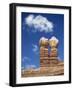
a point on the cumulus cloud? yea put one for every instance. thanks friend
(29, 20)
(40, 23)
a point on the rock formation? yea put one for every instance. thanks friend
(48, 58)
(49, 63)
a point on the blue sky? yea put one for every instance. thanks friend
(35, 26)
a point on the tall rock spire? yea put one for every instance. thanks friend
(48, 58)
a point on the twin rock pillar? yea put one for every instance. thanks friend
(48, 58)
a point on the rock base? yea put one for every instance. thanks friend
(53, 70)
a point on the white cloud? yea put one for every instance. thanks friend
(31, 66)
(40, 23)
(29, 20)
(59, 58)
(26, 59)
(35, 47)
(37, 69)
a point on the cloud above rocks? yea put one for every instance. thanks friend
(31, 66)
(26, 59)
(39, 23)
(35, 48)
